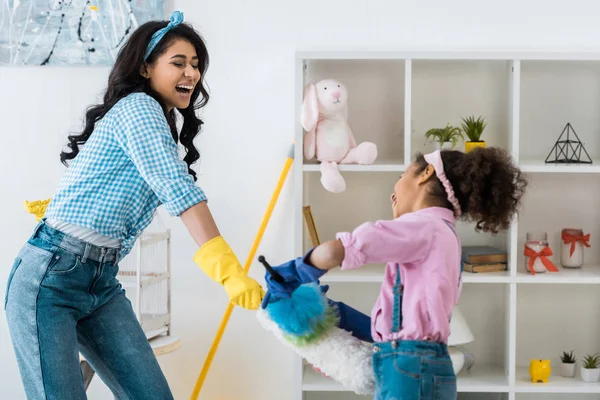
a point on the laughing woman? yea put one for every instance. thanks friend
(62, 295)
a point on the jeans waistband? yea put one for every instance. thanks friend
(412, 346)
(87, 251)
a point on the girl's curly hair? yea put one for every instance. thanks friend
(486, 183)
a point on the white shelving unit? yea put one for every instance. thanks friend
(527, 98)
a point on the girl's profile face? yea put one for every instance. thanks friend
(174, 74)
(404, 191)
(409, 189)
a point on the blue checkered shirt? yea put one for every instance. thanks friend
(127, 168)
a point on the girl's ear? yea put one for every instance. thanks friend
(144, 71)
(426, 175)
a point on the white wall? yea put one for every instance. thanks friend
(249, 125)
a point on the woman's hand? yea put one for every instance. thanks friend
(218, 260)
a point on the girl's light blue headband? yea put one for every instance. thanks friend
(176, 19)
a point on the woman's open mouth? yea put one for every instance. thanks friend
(184, 89)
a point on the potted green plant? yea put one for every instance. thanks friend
(567, 368)
(473, 128)
(445, 138)
(589, 369)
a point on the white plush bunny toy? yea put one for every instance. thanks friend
(328, 135)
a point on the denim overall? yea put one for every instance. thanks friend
(412, 369)
(63, 298)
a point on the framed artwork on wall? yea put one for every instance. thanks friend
(70, 32)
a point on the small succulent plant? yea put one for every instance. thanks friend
(449, 133)
(591, 361)
(568, 358)
(473, 128)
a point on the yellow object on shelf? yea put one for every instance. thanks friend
(540, 370)
(469, 146)
(37, 208)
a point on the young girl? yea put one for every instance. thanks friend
(410, 322)
(62, 295)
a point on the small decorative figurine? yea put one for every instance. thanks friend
(540, 370)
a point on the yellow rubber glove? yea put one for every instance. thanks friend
(37, 208)
(219, 262)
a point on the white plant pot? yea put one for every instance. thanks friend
(590, 375)
(567, 370)
(444, 146)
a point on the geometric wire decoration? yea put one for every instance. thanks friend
(568, 151)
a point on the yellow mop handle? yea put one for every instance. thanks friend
(261, 231)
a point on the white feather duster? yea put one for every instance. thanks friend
(337, 354)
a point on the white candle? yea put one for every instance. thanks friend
(536, 241)
(538, 265)
(567, 259)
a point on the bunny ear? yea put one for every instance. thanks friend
(310, 108)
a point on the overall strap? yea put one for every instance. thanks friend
(397, 313)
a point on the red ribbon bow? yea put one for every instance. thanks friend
(543, 255)
(567, 238)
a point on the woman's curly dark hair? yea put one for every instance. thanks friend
(486, 183)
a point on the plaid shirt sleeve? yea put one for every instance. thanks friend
(145, 136)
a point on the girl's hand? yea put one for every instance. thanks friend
(294, 273)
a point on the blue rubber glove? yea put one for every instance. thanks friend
(351, 320)
(295, 273)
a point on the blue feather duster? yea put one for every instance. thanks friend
(306, 314)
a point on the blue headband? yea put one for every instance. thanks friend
(176, 19)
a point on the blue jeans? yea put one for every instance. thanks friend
(62, 298)
(407, 370)
(411, 369)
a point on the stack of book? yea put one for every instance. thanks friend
(484, 259)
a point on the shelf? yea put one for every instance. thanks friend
(478, 380)
(487, 277)
(149, 239)
(315, 382)
(366, 274)
(483, 379)
(129, 281)
(556, 384)
(374, 274)
(456, 89)
(588, 274)
(165, 344)
(395, 53)
(377, 166)
(527, 97)
(553, 94)
(542, 167)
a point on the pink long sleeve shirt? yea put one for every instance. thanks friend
(425, 246)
